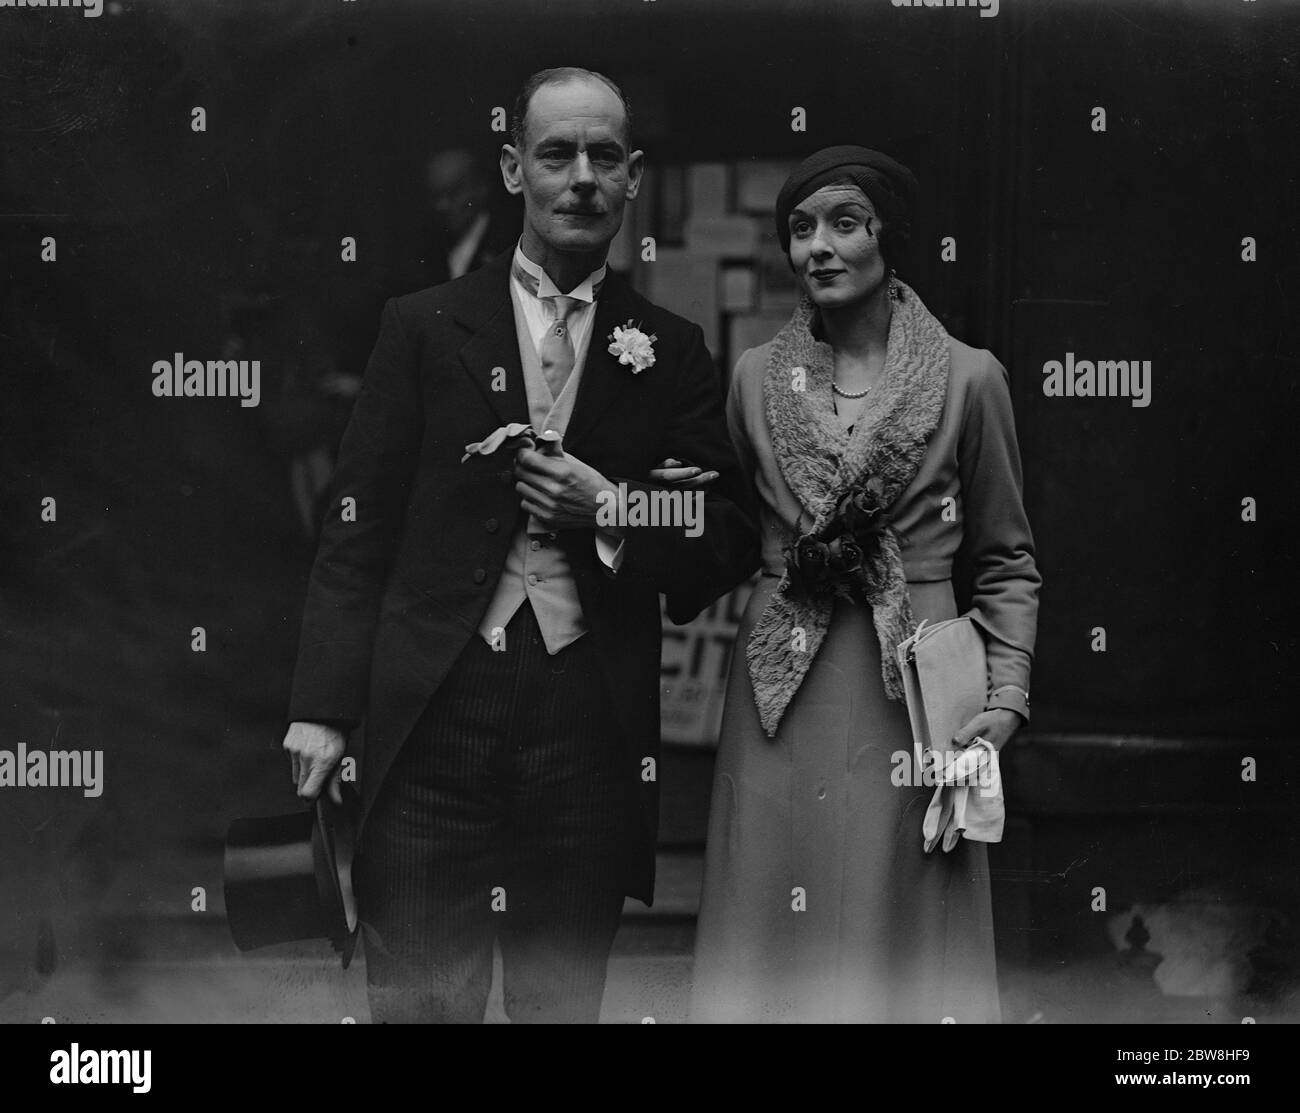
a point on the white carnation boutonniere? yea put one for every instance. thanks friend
(633, 347)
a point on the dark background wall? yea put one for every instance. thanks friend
(1124, 244)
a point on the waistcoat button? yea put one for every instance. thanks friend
(480, 574)
(491, 525)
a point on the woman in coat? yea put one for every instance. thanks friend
(865, 423)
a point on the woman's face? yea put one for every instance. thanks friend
(835, 247)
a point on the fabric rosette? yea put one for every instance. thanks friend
(861, 513)
(846, 556)
(840, 557)
(808, 563)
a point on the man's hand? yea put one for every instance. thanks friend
(315, 751)
(996, 726)
(678, 473)
(560, 491)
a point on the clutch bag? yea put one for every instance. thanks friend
(945, 683)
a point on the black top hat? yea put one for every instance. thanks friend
(289, 877)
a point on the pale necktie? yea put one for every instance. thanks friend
(557, 353)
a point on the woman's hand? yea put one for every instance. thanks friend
(678, 473)
(997, 726)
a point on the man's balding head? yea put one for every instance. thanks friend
(558, 76)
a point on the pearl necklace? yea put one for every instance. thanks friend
(849, 394)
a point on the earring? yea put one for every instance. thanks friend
(895, 287)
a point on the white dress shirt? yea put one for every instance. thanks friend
(539, 308)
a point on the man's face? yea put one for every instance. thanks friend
(574, 169)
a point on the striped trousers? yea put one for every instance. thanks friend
(503, 819)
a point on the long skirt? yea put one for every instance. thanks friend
(819, 903)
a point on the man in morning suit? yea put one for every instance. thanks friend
(502, 650)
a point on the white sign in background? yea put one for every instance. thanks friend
(696, 660)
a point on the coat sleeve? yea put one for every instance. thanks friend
(740, 442)
(694, 571)
(376, 463)
(1004, 596)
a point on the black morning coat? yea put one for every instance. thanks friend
(396, 594)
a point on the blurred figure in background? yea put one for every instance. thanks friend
(472, 219)
(297, 323)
